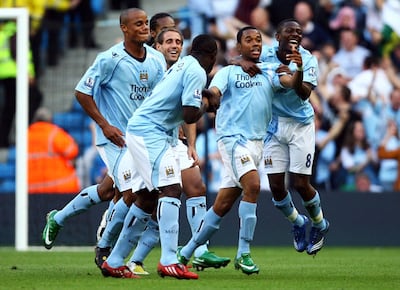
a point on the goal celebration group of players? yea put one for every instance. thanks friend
(146, 99)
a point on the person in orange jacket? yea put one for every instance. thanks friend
(385, 152)
(51, 156)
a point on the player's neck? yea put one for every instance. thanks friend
(136, 50)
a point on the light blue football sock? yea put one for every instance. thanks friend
(168, 222)
(248, 221)
(147, 242)
(208, 227)
(288, 209)
(314, 209)
(114, 224)
(79, 204)
(110, 208)
(134, 225)
(196, 208)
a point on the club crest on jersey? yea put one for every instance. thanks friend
(197, 94)
(89, 82)
(169, 171)
(244, 159)
(312, 72)
(143, 76)
(127, 175)
(267, 162)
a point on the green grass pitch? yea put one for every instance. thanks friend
(280, 268)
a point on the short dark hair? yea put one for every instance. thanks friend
(160, 36)
(124, 16)
(241, 30)
(281, 24)
(204, 44)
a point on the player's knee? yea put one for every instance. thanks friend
(105, 193)
(147, 201)
(222, 208)
(195, 190)
(251, 191)
(301, 185)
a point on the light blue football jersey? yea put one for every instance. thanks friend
(162, 112)
(119, 83)
(286, 103)
(245, 108)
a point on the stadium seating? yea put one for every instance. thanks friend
(7, 172)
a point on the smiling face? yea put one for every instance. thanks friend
(135, 26)
(250, 44)
(288, 32)
(170, 44)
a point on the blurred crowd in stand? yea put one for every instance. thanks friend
(356, 103)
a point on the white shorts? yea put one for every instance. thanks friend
(120, 167)
(182, 152)
(156, 160)
(289, 147)
(238, 159)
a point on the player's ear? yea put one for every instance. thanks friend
(239, 47)
(277, 36)
(123, 27)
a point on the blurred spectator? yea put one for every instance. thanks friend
(389, 153)
(371, 82)
(90, 167)
(360, 13)
(123, 4)
(210, 159)
(201, 12)
(222, 10)
(51, 157)
(350, 56)
(363, 184)
(255, 16)
(324, 11)
(81, 25)
(244, 10)
(391, 26)
(36, 10)
(323, 157)
(8, 79)
(54, 25)
(345, 19)
(374, 24)
(314, 35)
(391, 65)
(338, 116)
(370, 95)
(392, 111)
(357, 156)
(279, 10)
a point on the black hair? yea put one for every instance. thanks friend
(241, 30)
(156, 17)
(204, 44)
(281, 24)
(124, 16)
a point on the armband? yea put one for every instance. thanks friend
(299, 68)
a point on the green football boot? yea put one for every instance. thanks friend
(209, 260)
(181, 258)
(50, 230)
(246, 264)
